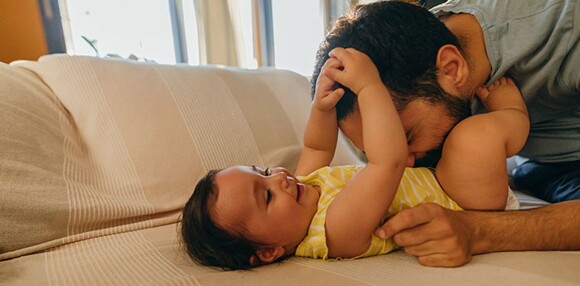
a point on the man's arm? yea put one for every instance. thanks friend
(553, 227)
(445, 238)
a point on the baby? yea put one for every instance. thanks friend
(245, 216)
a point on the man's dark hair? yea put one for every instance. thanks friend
(205, 242)
(403, 40)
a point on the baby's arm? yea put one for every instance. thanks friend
(321, 131)
(472, 169)
(355, 213)
(507, 108)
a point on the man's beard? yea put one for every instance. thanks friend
(458, 109)
(430, 159)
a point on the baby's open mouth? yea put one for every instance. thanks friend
(299, 191)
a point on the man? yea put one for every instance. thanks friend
(433, 68)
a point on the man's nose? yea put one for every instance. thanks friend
(410, 160)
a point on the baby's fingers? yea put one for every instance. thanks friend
(338, 53)
(324, 84)
(329, 101)
(334, 74)
(335, 96)
(332, 63)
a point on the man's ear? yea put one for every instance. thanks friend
(267, 255)
(453, 67)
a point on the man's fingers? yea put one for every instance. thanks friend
(421, 234)
(450, 244)
(405, 219)
(444, 260)
(433, 234)
(424, 249)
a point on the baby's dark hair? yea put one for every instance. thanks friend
(205, 242)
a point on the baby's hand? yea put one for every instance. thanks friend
(498, 94)
(358, 70)
(327, 92)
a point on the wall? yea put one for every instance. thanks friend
(21, 31)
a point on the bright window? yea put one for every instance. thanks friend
(139, 27)
(247, 33)
(166, 31)
(298, 31)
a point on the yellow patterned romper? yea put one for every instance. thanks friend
(418, 186)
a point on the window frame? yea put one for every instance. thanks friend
(53, 30)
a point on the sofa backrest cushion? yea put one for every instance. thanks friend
(128, 140)
(33, 199)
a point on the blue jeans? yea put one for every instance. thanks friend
(552, 182)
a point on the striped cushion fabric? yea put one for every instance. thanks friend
(127, 141)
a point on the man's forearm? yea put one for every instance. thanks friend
(553, 227)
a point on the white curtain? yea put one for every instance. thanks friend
(219, 30)
(220, 34)
(333, 9)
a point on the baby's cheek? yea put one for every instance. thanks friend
(287, 209)
(290, 211)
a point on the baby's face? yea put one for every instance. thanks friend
(266, 206)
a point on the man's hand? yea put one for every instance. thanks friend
(446, 238)
(435, 235)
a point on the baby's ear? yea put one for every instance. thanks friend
(267, 255)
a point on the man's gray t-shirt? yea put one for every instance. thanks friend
(536, 43)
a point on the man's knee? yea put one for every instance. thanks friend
(553, 182)
(565, 187)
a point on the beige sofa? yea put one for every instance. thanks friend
(98, 156)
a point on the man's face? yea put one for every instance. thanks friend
(426, 126)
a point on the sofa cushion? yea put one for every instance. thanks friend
(33, 206)
(131, 139)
